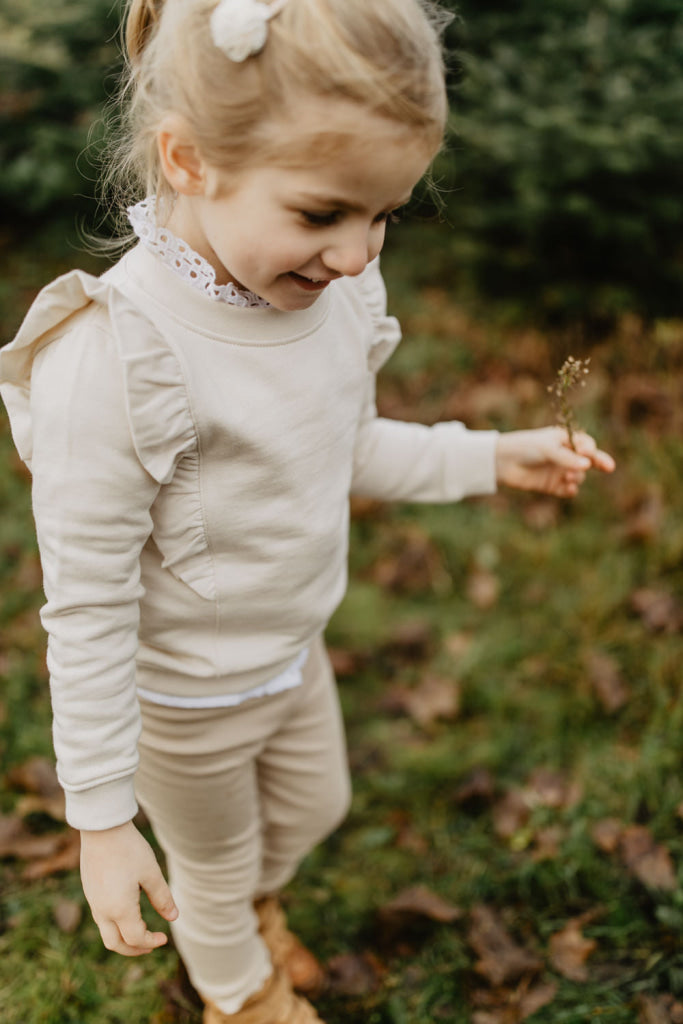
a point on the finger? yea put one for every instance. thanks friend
(603, 461)
(136, 934)
(160, 897)
(586, 445)
(114, 941)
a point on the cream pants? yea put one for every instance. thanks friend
(237, 797)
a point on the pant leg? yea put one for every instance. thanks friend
(236, 798)
(303, 774)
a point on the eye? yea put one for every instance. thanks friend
(321, 220)
(388, 217)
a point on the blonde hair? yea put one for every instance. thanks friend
(384, 55)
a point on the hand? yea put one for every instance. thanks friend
(115, 864)
(543, 460)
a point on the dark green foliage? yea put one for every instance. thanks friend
(562, 178)
(564, 164)
(54, 63)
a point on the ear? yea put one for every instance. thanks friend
(181, 161)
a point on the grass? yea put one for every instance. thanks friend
(566, 575)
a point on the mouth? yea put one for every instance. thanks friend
(310, 284)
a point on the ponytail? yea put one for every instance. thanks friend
(141, 20)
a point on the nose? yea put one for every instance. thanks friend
(350, 254)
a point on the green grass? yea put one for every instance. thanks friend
(566, 589)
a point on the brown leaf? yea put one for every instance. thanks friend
(541, 514)
(413, 566)
(65, 857)
(605, 677)
(344, 662)
(367, 508)
(37, 775)
(646, 860)
(660, 611)
(478, 787)
(645, 517)
(548, 788)
(13, 832)
(660, 1009)
(536, 998)
(435, 697)
(68, 915)
(569, 951)
(457, 644)
(483, 588)
(351, 974)
(415, 903)
(510, 814)
(547, 842)
(500, 958)
(606, 834)
(412, 639)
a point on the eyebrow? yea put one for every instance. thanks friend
(337, 203)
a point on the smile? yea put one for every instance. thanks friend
(309, 283)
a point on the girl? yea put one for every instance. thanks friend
(195, 420)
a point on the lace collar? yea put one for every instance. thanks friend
(187, 263)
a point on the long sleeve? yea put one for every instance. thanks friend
(397, 461)
(91, 499)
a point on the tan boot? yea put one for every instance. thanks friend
(275, 1003)
(286, 951)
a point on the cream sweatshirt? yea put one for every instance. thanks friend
(192, 463)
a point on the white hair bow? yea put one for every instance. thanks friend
(240, 27)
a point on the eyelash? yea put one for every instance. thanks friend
(328, 219)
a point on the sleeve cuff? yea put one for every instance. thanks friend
(104, 806)
(469, 460)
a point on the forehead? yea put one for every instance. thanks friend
(347, 149)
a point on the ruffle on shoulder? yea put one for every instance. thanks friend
(157, 405)
(387, 330)
(156, 400)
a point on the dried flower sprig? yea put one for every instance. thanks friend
(570, 375)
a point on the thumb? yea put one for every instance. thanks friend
(160, 897)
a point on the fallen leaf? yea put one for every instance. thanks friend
(548, 788)
(367, 508)
(344, 662)
(541, 514)
(569, 951)
(415, 903)
(536, 997)
(646, 860)
(645, 516)
(457, 645)
(605, 677)
(435, 697)
(510, 814)
(479, 787)
(67, 915)
(606, 834)
(412, 639)
(65, 857)
(657, 1010)
(413, 566)
(407, 836)
(501, 959)
(547, 843)
(352, 974)
(482, 588)
(659, 610)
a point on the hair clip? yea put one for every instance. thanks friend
(240, 27)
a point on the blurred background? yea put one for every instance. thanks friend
(510, 669)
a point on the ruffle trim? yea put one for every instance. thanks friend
(157, 405)
(386, 329)
(184, 261)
